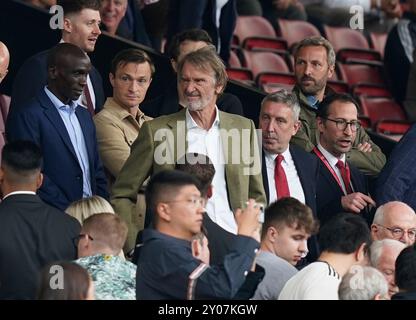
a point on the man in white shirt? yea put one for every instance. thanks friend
(230, 141)
(341, 187)
(342, 241)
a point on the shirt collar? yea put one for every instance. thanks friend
(58, 103)
(330, 157)
(272, 156)
(19, 192)
(119, 111)
(191, 124)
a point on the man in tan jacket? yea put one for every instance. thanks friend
(118, 124)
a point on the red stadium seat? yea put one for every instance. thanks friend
(294, 31)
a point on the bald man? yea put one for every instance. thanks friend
(4, 61)
(394, 220)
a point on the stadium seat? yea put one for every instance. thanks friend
(294, 31)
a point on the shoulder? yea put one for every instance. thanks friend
(240, 120)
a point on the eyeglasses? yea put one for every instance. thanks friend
(80, 236)
(195, 202)
(342, 124)
(399, 232)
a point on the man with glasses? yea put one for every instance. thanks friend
(166, 267)
(314, 65)
(394, 220)
(341, 187)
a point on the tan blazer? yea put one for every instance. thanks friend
(150, 146)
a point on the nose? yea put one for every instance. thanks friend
(303, 247)
(133, 86)
(96, 30)
(405, 238)
(189, 87)
(348, 129)
(308, 69)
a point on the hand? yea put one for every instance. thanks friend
(248, 220)
(365, 147)
(355, 202)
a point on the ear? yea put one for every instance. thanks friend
(296, 127)
(163, 211)
(360, 253)
(219, 88)
(210, 191)
(174, 65)
(52, 72)
(272, 233)
(320, 123)
(111, 78)
(67, 25)
(39, 180)
(374, 230)
(331, 71)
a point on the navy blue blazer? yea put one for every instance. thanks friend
(397, 180)
(40, 122)
(32, 76)
(307, 167)
(329, 193)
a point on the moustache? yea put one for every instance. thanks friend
(306, 78)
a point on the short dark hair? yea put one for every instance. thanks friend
(76, 282)
(199, 166)
(76, 6)
(289, 212)
(131, 56)
(165, 183)
(22, 160)
(56, 54)
(326, 103)
(187, 35)
(405, 274)
(344, 233)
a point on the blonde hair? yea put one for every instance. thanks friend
(86, 207)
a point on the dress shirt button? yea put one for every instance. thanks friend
(245, 273)
(256, 250)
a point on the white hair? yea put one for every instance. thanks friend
(377, 247)
(363, 283)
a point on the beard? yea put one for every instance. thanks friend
(315, 87)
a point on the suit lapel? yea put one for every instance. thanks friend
(177, 125)
(264, 174)
(53, 116)
(231, 170)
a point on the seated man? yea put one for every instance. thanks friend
(100, 241)
(341, 187)
(32, 233)
(287, 226)
(166, 267)
(394, 220)
(342, 241)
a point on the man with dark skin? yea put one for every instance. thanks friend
(65, 132)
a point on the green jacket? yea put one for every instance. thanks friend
(307, 137)
(151, 146)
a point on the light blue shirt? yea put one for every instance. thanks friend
(73, 127)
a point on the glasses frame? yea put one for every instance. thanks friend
(344, 124)
(402, 232)
(196, 202)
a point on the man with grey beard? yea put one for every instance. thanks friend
(230, 141)
(314, 65)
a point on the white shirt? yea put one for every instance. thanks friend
(317, 281)
(295, 187)
(19, 192)
(332, 162)
(209, 143)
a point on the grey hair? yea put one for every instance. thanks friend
(284, 97)
(363, 283)
(317, 41)
(377, 247)
(379, 215)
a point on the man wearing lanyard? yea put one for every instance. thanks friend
(341, 187)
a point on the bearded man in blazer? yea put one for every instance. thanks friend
(229, 140)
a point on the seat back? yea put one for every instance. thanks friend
(253, 26)
(258, 62)
(380, 108)
(378, 42)
(341, 38)
(294, 31)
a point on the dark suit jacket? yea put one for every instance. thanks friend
(32, 234)
(40, 122)
(168, 103)
(329, 193)
(32, 76)
(307, 167)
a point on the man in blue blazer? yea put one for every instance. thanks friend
(341, 186)
(64, 131)
(81, 28)
(279, 121)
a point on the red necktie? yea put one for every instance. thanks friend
(345, 174)
(282, 188)
(88, 99)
